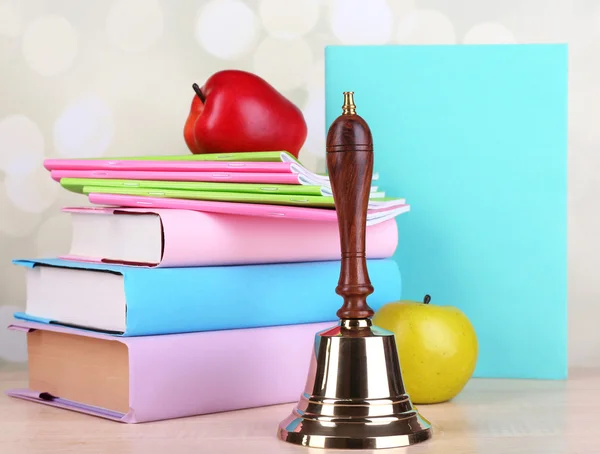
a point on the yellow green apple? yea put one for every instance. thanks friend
(437, 347)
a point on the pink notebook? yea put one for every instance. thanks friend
(264, 167)
(181, 237)
(374, 216)
(231, 177)
(182, 375)
(171, 166)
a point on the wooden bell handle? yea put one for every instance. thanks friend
(350, 167)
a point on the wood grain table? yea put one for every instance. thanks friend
(490, 416)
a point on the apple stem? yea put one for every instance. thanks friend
(199, 92)
(427, 299)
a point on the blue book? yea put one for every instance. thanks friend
(132, 301)
(475, 138)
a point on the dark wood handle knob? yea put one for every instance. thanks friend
(350, 167)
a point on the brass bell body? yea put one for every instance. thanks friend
(354, 396)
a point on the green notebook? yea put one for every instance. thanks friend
(315, 201)
(77, 185)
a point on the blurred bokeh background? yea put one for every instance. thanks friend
(113, 77)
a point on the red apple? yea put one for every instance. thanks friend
(237, 111)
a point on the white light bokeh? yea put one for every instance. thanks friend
(425, 26)
(167, 107)
(316, 76)
(33, 193)
(283, 62)
(584, 111)
(583, 175)
(140, 75)
(550, 21)
(584, 95)
(21, 145)
(10, 49)
(135, 25)
(10, 23)
(489, 33)
(314, 114)
(289, 18)
(50, 44)
(14, 222)
(54, 236)
(401, 7)
(85, 129)
(352, 22)
(13, 345)
(226, 28)
(312, 162)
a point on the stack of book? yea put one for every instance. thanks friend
(177, 299)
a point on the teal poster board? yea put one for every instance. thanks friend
(475, 138)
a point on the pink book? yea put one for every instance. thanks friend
(382, 212)
(168, 376)
(231, 177)
(170, 166)
(179, 237)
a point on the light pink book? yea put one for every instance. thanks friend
(181, 238)
(183, 375)
(382, 212)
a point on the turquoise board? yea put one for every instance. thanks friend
(475, 137)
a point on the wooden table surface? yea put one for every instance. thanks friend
(488, 417)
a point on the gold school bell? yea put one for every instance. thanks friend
(354, 395)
